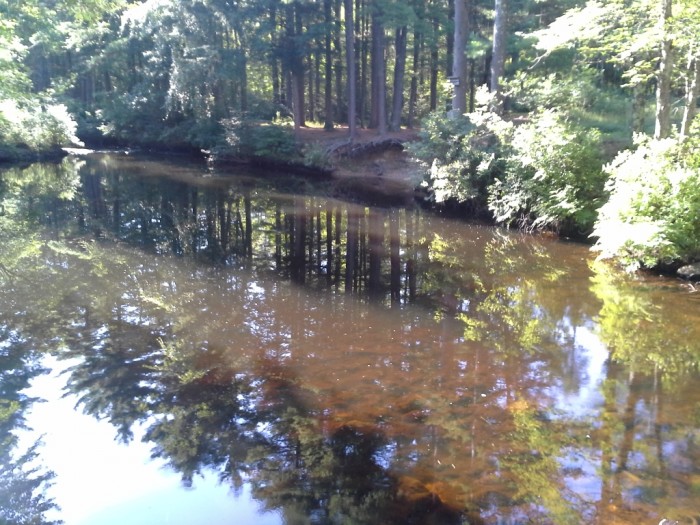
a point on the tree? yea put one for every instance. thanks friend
(351, 71)
(662, 127)
(328, 58)
(459, 64)
(498, 55)
(399, 75)
(378, 118)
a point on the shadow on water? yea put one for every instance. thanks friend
(353, 364)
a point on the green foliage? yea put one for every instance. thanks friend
(553, 178)
(543, 174)
(461, 154)
(28, 120)
(251, 138)
(653, 214)
(629, 307)
(316, 156)
(23, 480)
(23, 499)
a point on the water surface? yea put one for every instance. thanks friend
(262, 350)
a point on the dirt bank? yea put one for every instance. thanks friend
(369, 163)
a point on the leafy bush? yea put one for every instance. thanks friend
(315, 155)
(542, 174)
(461, 155)
(36, 125)
(553, 177)
(252, 138)
(653, 214)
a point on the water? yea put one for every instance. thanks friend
(214, 347)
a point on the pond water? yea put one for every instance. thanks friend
(197, 346)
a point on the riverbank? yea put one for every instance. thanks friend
(13, 155)
(370, 165)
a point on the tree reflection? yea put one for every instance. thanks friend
(23, 481)
(650, 394)
(440, 400)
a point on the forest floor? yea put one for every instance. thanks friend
(371, 163)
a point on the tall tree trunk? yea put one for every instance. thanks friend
(352, 76)
(498, 55)
(313, 75)
(399, 74)
(692, 90)
(413, 94)
(362, 48)
(295, 28)
(434, 65)
(662, 128)
(449, 39)
(274, 63)
(638, 105)
(244, 80)
(378, 115)
(340, 90)
(459, 61)
(328, 71)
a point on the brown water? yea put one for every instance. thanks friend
(340, 363)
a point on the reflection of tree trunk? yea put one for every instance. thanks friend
(394, 243)
(212, 241)
(195, 215)
(628, 419)
(361, 275)
(278, 235)
(657, 401)
(95, 195)
(351, 250)
(299, 236)
(337, 237)
(411, 263)
(248, 226)
(223, 231)
(167, 213)
(116, 205)
(376, 251)
(610, 496)
(319, 242)
(329, 245)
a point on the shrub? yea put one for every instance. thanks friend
(553, 177)
(36, 125)
(544, 174)
(253, 138)
(461, 155)
(653, 214)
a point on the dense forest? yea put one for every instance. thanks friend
(545, 115)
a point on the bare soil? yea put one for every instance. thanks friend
(384, 170)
